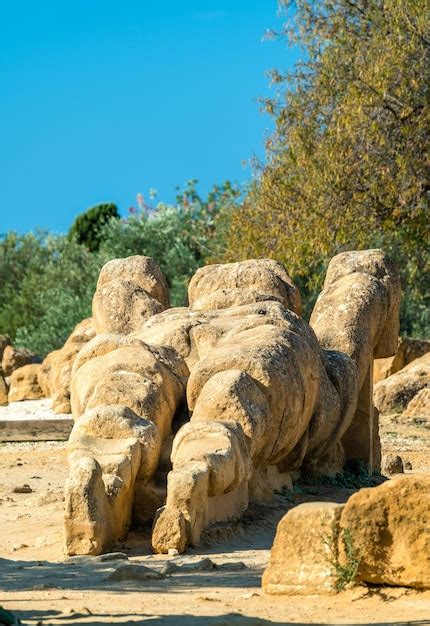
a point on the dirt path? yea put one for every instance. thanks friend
(43, 587)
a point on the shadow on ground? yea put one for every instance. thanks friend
(47, 618)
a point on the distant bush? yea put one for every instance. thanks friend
(88, 226)
(47, 281)
(179, 237)
(47, 286)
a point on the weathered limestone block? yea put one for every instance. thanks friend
(393, 394)
(4, 391)
(13, 358)
(408, 350)
(62, 364)
(419, 406)
(305, 547)
(390, 530)
(86, 509)
(24, 384)
(265, 398)
(129, 291)
(233, 284)
(111, 452)
(358, 313)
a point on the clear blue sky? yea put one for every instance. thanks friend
(102, 99)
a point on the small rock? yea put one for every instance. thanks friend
(408, 465)
(231, 566)
(19, 546)
(22, 489)
(173, 552)
(111, 556)
(170, 568)
(393, 464)
(76, 612)
(201, 565)
(134, 572)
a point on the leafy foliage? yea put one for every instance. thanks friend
(47, 286)
(348, 164)
(354, 475)
(88, 226)
(48, 280)
(179, 237)
(346, 572)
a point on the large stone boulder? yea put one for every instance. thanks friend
(408, 350)
(393, 394)
(13, 358)
(380, 536)
(24, 384)
(389, 528)
(304, 550)
(129, 291)
(234, 284)
(264, 397)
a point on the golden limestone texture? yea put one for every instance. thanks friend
(380, 536)
(224, 398)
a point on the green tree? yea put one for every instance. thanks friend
(47, 286)
(348, 164)
(179, 237)
(88, 226)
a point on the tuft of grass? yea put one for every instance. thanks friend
(346, 573)
(354, 476)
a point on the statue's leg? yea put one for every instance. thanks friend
(110, 448)
(209, 482)
(361, 440)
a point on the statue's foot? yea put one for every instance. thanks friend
(86, 509)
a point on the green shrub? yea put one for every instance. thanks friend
(47, 286)
(88, 226)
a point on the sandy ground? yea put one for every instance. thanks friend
(43, 587)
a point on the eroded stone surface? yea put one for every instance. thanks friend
(24, 384)
(266, 393)
(305, 547)
(393, 394)
(390, 531)
(13, 358)
(128, 292)
(408, 349)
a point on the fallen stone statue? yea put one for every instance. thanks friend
(183, 416)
